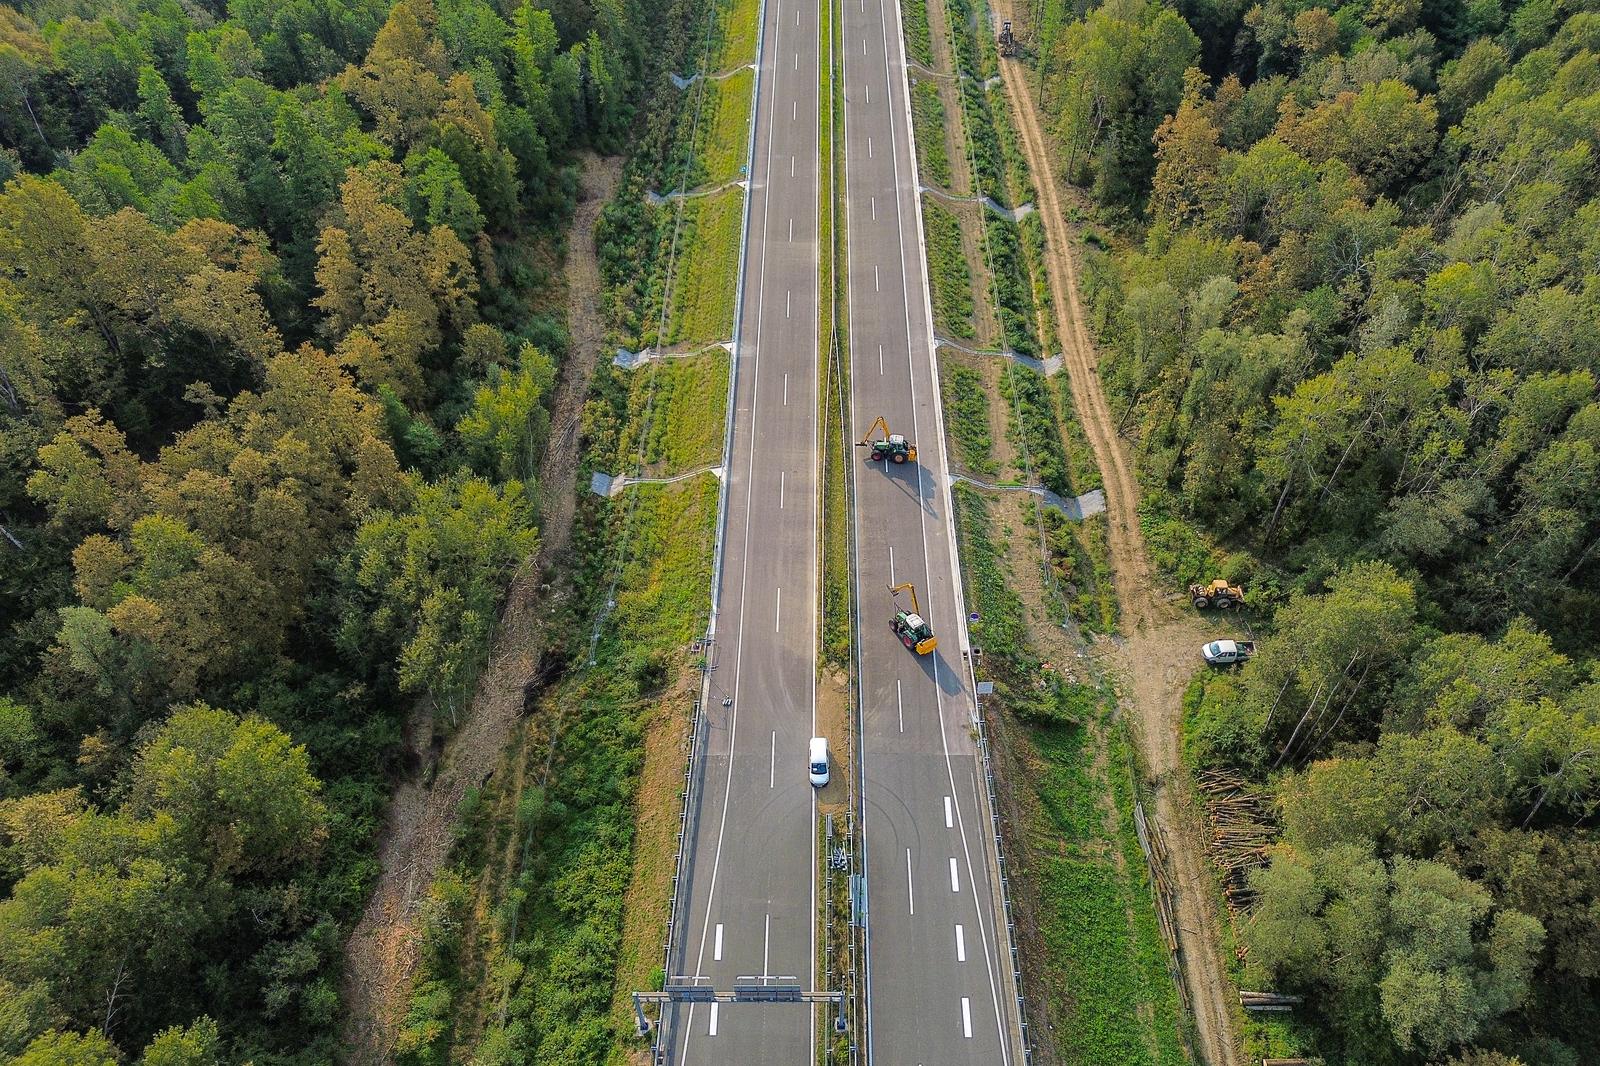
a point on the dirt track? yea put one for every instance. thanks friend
(382, 951)
(1158, 656)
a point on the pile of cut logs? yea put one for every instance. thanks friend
(1240, 828)
(1268, 1001)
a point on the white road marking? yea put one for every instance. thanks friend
(961, 944)
(772, 772)
(786, 390)
(869, 94)
(794, 110)
(788, 312)
(911, 902)
(874, 279)
(869, 147)
(791, 166)
(900, 705)
(966, 1017)
(713, 1030)
(863, 46)
(783, 474)
(880, 359)
(716, 952)
(797, 54)
(955, 878)
(873, 200)
(791, 229)
(766, 947)
(777, 624)
(891, 564)
(949, 816)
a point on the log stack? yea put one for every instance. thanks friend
(1240, 828)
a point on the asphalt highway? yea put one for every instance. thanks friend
(940, 990)
(749, 887)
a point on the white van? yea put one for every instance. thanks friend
(819, 761)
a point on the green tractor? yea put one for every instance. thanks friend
(890, 448)
(912, 629)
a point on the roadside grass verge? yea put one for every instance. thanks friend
(707, 270)
(1093, 947)
(928, 122)
(948, 272)
(692, 395)
(723, 135)
(739, 30)
(966, 411)
(914, 19)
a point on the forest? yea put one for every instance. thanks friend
(275, 353)
(1351, 318)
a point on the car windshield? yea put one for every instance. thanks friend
(1216, 647)
(818, 767)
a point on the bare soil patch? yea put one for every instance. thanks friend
(833, 722)
(1159, 654)
(381, 954)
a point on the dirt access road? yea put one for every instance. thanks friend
(1159, 652)
(382, 952)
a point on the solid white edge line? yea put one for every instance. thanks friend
(911, 903)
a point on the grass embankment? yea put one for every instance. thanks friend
(1099, 951)
(967, 417)
(948, 272)
(739, 31)
(722, 137)
(706, 271)
(928, 122)
(692, 390)
(914, 20)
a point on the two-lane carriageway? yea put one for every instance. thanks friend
(940, 988)
(748, 900)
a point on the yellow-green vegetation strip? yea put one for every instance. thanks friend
(707, 270)
(948, 272)
(739, 26)
(1109, 993)
(723, 136)
(927, 119)
(691, 398)
(966, 410)
(838, 452)
(919, 42)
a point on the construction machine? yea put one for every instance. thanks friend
(912, 629)
(891, 447)
(1007, 43)
(1218, 594)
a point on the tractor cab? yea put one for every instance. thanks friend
(912, 629)
(915, 632)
